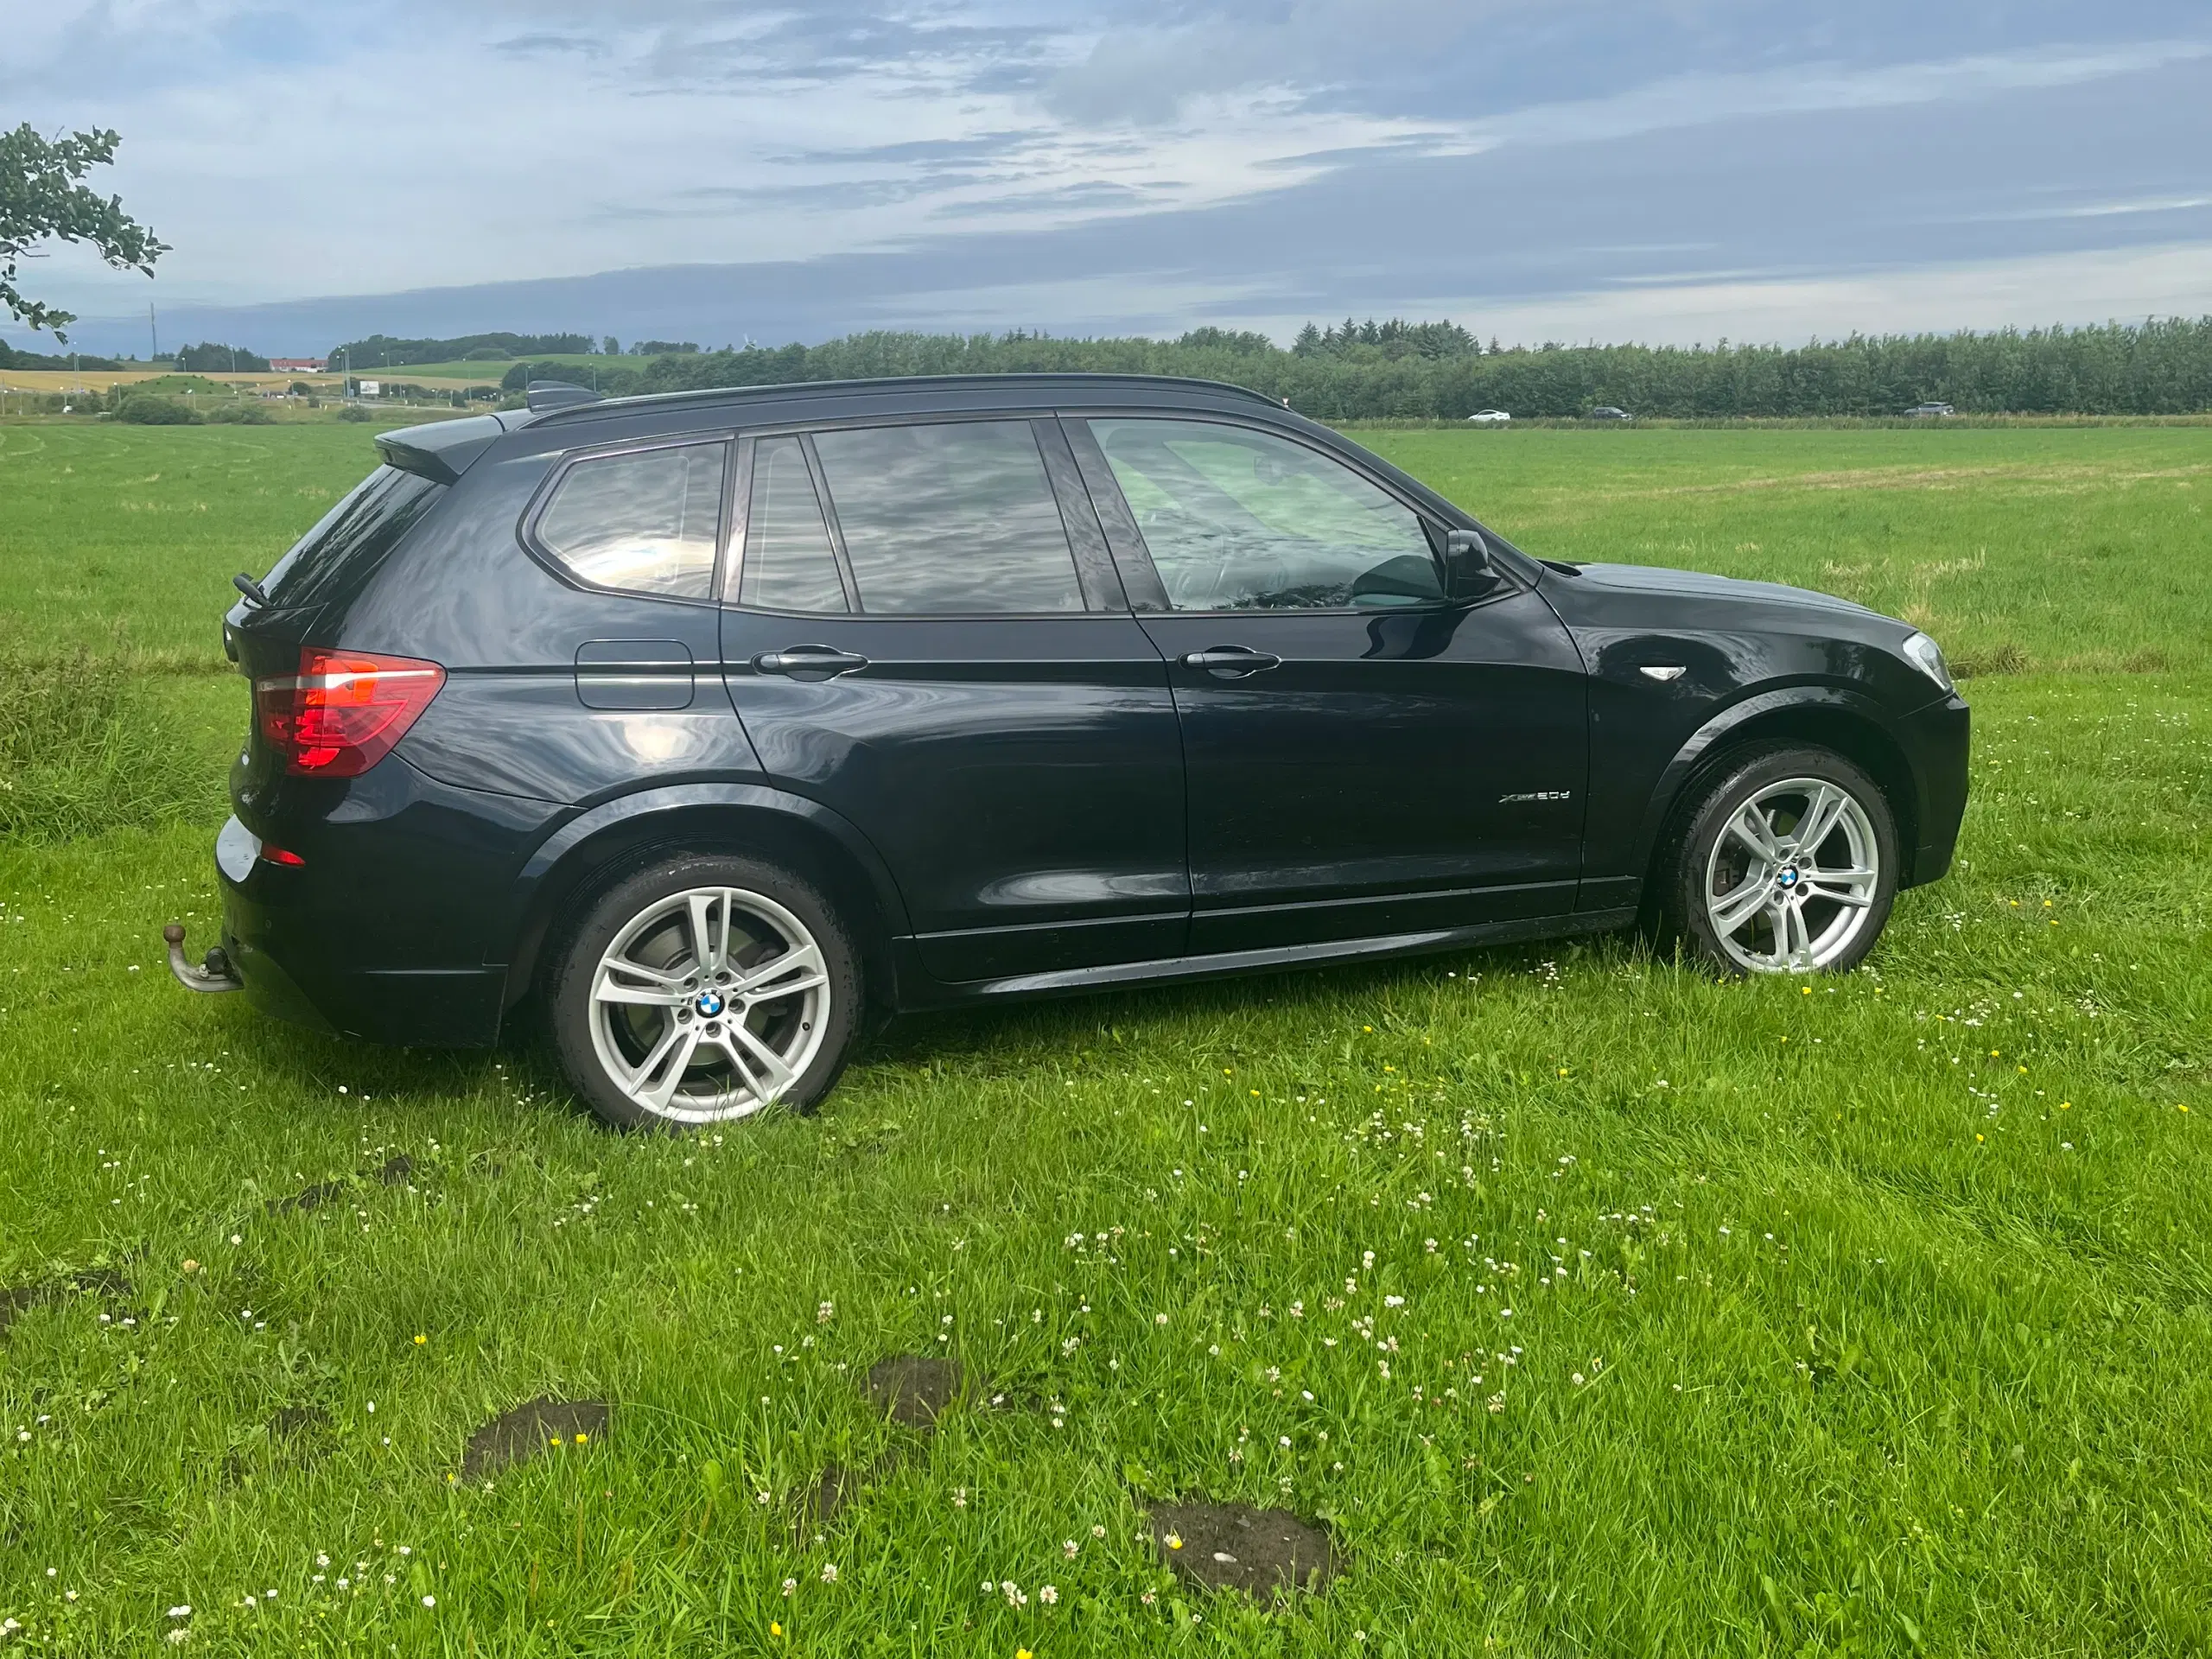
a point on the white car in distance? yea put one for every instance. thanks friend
(1490, 417)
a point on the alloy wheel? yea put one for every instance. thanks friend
(1792, 877)
(709, 1004)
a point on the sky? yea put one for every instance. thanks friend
(720, 170)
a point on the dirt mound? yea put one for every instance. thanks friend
(536, 1426)
(914, 1388)
(1236, 1547)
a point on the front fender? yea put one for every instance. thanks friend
(1857, 724)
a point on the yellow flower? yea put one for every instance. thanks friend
(1804, 991)
(420, 1339)
(1021, 1653)
(1174, 1541)
(581, 1438)
(775, 1628)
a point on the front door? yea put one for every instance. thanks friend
(923, 630)
(1363, 757)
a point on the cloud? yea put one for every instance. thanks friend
(1216, 160)
(538, 46)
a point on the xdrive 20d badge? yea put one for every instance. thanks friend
(710, 722)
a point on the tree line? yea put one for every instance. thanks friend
(384, 351)
(1440, 371)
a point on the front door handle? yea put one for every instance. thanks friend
(1231, 662)
(808, 662)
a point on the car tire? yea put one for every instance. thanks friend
(1746, 892)
(703, 989)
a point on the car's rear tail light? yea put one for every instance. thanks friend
(344, 710)
(284, 855)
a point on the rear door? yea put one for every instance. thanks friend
(923, 631)
(1364, 756)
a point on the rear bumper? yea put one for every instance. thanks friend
(288, 958)
(390, 929)
(1939, 743)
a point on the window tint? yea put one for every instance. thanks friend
(948, 519)
(352, 537)
(647, 522)
(1240, 520)
(788, 565)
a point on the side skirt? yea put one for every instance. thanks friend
(918, 990)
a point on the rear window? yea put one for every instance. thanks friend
(353, 539)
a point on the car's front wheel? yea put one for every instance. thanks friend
(1788, 864)
(704, 989)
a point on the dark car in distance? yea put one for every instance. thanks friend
(1607, 412)
(713, 720)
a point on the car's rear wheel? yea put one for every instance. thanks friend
(704, 989)
(1788, 864)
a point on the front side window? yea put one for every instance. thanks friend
(1241, 520)
(647, 522)
(788, 565)
(948, 519)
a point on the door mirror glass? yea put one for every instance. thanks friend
(1237, 519)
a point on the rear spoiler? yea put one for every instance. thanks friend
(439, 450)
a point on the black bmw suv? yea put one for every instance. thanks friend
(716, 719)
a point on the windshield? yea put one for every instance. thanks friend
(352, 537)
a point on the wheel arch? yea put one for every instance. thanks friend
(610, 841)
(1850, 723)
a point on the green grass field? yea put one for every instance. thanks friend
(1592, 1306)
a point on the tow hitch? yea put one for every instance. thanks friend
(214, 972)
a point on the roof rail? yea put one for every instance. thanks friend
(556, 394)
(842, 388)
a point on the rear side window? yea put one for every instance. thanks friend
(647, 522)
(788, 564)
(352, 537)
(948, 519)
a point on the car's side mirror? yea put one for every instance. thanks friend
(1468, 569)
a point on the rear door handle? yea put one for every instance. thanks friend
(1231, 662)
(808, 662)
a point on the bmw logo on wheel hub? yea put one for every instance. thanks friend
(709, 1003)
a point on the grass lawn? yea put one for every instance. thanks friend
(1591, 1304)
